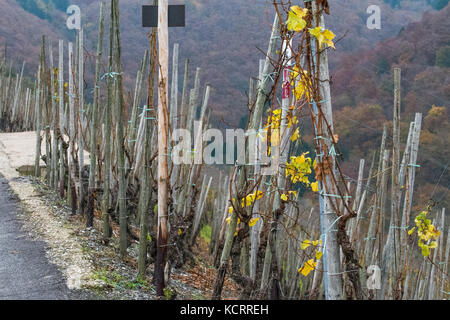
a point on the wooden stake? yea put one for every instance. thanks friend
(94, 122)
(163, 175)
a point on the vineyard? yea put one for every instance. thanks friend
(273, 215)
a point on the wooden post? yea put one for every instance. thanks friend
(107, 151)
(145, 195)
(54, 125)
(256, 230)
(123, 218)
(445, 258)
(411, 170)
(61, 116)
(71, 112)
(404, 190)
(396, 161)
(163, 43)
(38, 108)
(94, 123)
(37, 167)
(354, 222)
(332, 265)
(174, 88)
(132, 126)
(381, 238)
(433, 281)
(362, 201)
(175, 118)
(46, 121)
(81, 115)
(370, 238)
(17, 93)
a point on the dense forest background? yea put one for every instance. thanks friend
(226, 39)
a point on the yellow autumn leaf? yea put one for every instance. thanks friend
(305, 244)
(228, 220)
(323, 36)
(425, 251)
(259, 194)
(295, 20)
(315, 186)
(230, 209)
(308, 267)
(329, 36)
(295, 135)
(284, 197)
(180, 232)
(433, 245)
(253, 221)
(292, 120)
(319, 254)
(411, 231)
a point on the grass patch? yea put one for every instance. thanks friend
(198, 296)
(115, 280)
(205, 233)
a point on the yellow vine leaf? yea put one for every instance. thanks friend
(248, 201)
(295, 135)
(305, 244)
(427, 233)
(323, 36)
(298, 168)
(291, 120)
(229, 220)
(295, 21)
(315, 186)
(309, 266)
(301, 83)
(284, 197)
(253, 221)
(319, 254)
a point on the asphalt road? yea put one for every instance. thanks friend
(25, 272)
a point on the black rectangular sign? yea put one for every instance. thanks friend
(177, 16)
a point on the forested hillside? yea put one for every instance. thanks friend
(363, 98)
(229, 34)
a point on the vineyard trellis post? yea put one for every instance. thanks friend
(328, 217)
(94, 123)
(38, 110)
(163, 183)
